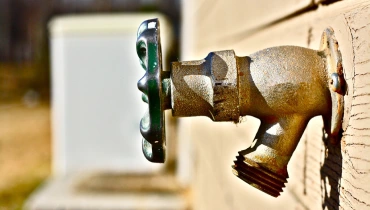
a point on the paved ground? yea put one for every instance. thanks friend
(24, 151)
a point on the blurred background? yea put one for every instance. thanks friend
(24, 52)
(25, 84)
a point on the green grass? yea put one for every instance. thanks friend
(24, 152)
(15, 196)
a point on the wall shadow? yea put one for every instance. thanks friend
(331, 174)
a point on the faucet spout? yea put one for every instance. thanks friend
(264, 163)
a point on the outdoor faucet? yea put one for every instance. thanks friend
(282, 86)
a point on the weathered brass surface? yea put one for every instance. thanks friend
(207, 87)
(282, 86)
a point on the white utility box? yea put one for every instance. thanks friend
(96, 104)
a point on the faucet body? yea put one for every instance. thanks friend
(282, 86)
(274, 82)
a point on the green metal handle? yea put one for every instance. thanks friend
(154, 87)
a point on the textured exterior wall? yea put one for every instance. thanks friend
(322, 176)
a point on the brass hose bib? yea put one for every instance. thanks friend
(283, 86)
